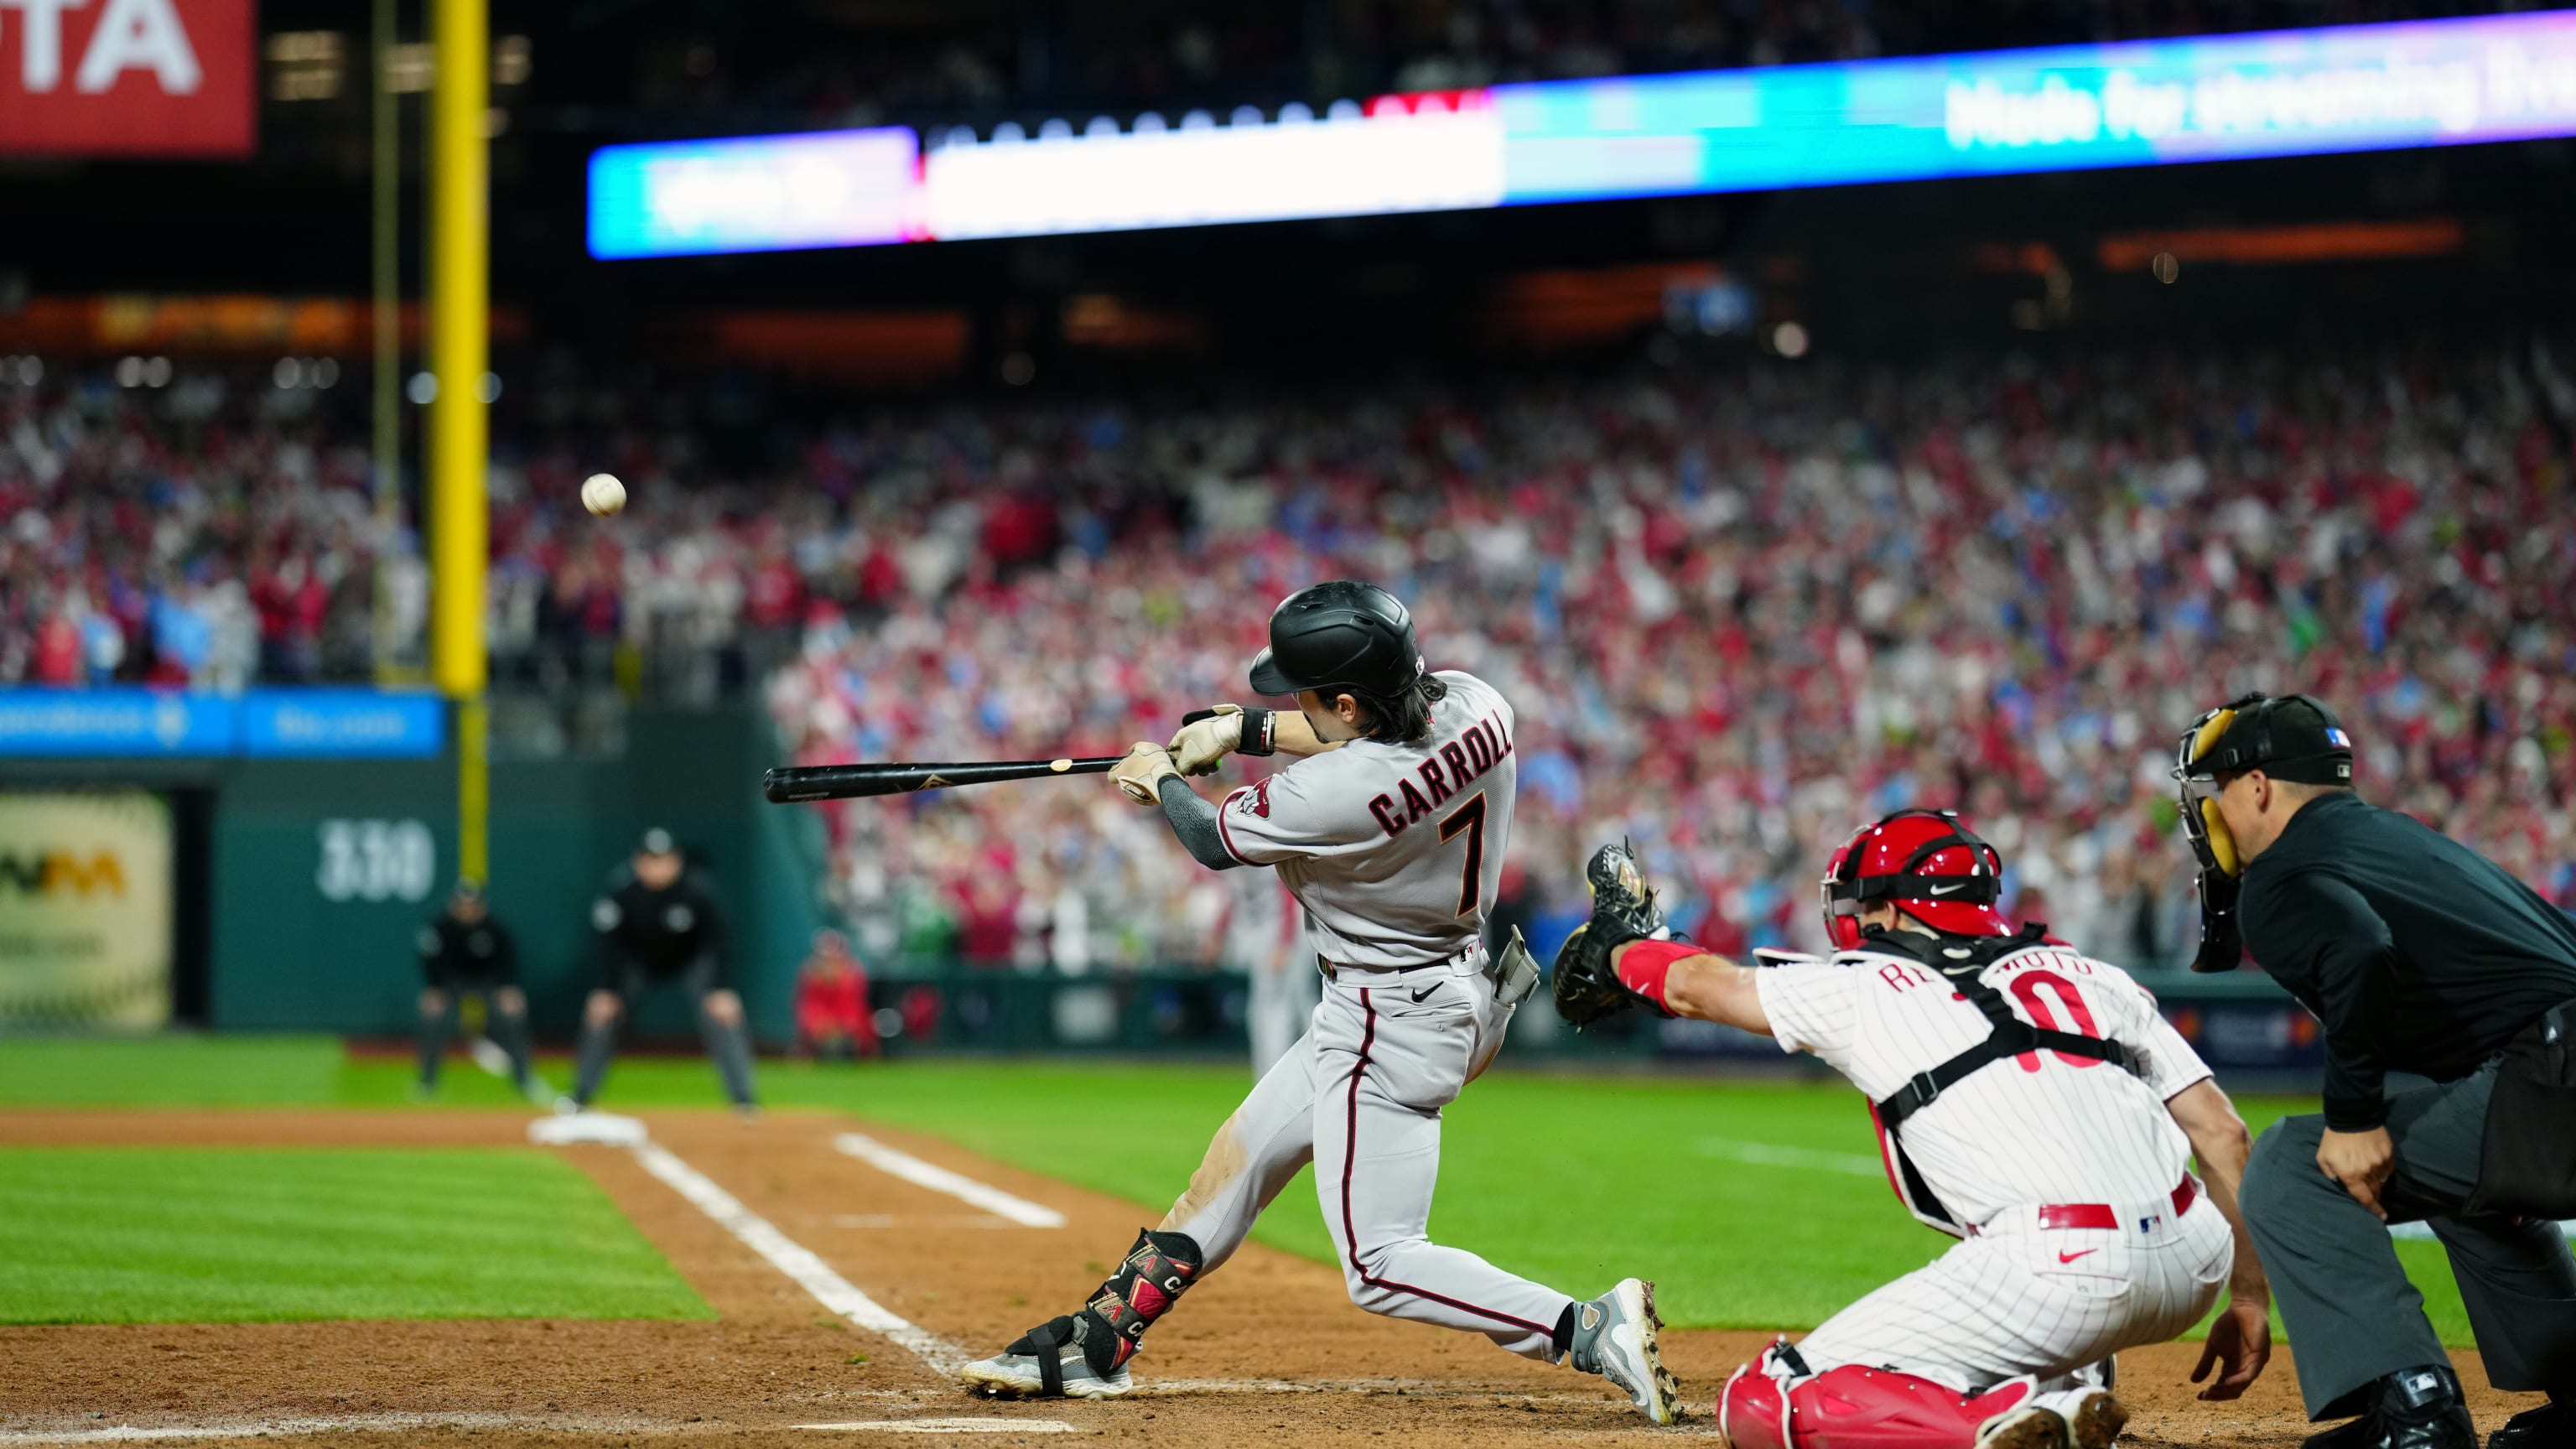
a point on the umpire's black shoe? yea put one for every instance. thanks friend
(2551, 1426)
(2420, 1408)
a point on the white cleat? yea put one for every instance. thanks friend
(2084, 1419)
(1019, 1372)
(1614, 1336)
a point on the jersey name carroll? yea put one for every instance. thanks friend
(1395, 851)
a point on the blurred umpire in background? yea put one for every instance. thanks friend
(465, 950)
(660, 924)
(2418, 955)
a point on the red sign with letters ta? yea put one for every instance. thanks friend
(127, 78)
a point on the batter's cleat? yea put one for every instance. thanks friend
(1047, 1362)
(2084, 1419)
(1614, 1336)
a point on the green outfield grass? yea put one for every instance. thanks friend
(1753, 1204)
(154, 1235)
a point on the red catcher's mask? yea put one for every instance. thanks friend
(1927, 863)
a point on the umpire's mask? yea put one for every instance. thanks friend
(2289, 737)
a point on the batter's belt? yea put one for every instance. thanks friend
(1514, 972)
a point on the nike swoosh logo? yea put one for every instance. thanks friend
(1945, 890)
(2071, 1257)
(1424, 992)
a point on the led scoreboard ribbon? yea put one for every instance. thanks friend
(2141, 103)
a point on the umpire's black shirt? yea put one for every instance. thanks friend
(2418, 953)
(657, 932)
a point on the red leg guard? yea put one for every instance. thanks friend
(1856, 1408)
(1753, 1410)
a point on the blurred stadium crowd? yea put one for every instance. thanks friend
(1738, 607)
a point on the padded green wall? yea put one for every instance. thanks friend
(284, 956)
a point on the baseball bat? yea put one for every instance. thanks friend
(788, 784)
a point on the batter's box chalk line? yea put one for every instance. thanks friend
(948, 1426)
(845, 1299)
(242, 1428)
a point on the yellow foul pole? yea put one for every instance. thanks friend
(459, 431)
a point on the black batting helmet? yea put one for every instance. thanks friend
(1339, 635)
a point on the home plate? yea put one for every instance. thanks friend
(949, 1426)
(604, 1127)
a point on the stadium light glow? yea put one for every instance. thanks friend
(2283, 93)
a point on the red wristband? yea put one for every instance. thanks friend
(1642, 966)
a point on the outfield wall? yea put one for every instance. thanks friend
(315, 875)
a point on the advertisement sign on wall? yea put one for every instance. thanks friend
(85, 910)
(127, 78)
(262, 723)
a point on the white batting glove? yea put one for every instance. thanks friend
(1198, 747)
(1141, 773)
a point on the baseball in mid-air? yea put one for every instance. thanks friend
(602, 494)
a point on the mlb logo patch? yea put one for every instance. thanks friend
(2148, 1223)
(2338, 739)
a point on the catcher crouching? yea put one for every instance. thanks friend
(2029, 1102)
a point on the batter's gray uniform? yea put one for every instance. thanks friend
(1396, 853)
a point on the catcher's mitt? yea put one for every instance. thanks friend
(1588, 987)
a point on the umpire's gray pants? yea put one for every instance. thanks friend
(2351, 1314)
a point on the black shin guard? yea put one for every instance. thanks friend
(1155, 1273)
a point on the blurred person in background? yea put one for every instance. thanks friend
(463, 949)
(832, 1018)
(659, 924)
(1265, 933)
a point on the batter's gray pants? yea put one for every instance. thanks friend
(2351, 1314)
(1360, 1097)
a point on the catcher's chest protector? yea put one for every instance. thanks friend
(1963, 962)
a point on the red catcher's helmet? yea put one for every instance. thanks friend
(1927, 863)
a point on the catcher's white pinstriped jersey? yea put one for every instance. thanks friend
(2035, 1129)
(2034, 1288)
(1354, 832)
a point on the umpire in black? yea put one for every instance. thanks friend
(659, 924)
(2418, 955)
(466, 949)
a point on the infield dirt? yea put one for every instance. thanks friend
(1267, 1352)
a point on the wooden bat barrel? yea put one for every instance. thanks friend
(788, 784)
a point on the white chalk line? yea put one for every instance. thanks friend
(878, 1221)
(332, 1424)
(1768, 1154)
(939, 1179)
(799, 1262)
(844, 1298)
(550, 1423)
(948, 1426)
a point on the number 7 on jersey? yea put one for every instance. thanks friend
(1469, 820)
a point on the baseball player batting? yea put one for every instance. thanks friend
(2029, 1101)
(1390, 831)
